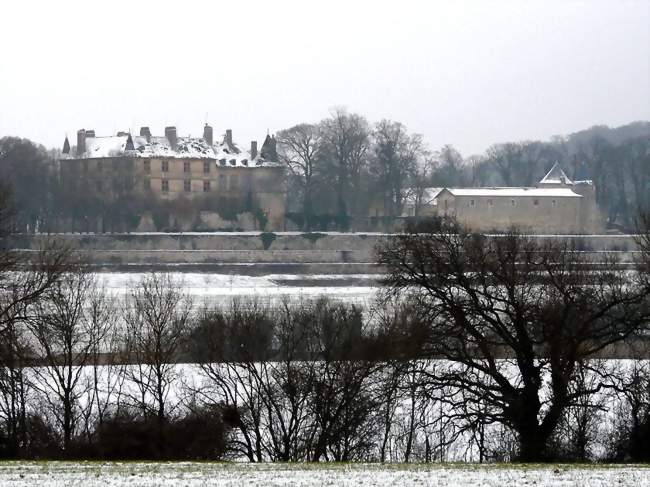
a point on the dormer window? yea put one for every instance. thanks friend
(244, 162)
(222, 162)
(233, 162)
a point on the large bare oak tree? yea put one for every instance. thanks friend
(514, 318)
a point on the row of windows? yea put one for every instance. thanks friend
(164, 166)
(513, 202)
(490, 202)
(187, 184)
(101, 165)
(115, 184)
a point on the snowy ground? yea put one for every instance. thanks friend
(92, 474)
(212, 288)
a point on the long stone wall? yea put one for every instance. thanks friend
(307, 252)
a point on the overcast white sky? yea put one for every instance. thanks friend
(463, 73)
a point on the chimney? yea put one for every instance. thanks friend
(66, 146)
(253, 149)
(207, 135)
(170, 133)
(90, 133)
(229, 137)
(81, 142)
(145, 132)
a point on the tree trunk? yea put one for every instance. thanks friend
(532, 444)
(67, 425)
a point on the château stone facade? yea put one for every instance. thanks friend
(171, 168)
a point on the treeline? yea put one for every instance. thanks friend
(479, 348)
(85, 376)
(344, 170)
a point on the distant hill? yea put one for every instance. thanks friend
(615, 136)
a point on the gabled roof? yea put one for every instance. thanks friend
(556, 176)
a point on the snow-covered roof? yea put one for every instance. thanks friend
(512, 192)
(556, 176)
(160, 147)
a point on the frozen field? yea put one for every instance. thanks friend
(213, 289)
(62, 474)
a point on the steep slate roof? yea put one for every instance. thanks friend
(160, 147)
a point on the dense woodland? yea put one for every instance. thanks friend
(345, 169)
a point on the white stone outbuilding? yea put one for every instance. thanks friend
(556, 205)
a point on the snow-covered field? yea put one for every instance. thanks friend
(213, 289)
(90, 474)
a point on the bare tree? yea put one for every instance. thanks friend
(156, 321)
(449, 167)
(394, 162)
(301, 148)
(348, 139)
(15, 357)
(630, 434)
(509, 314)
(66, 336)
(579, 428)
(26, 278)
(105, 361)
(519, 164)
(291, 379)
(260, 365)
(417, 192)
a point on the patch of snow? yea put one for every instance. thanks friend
(194, 474)
(512, 192)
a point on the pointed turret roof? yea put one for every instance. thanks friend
(556, 176)
(129, 143)
(66, 146)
